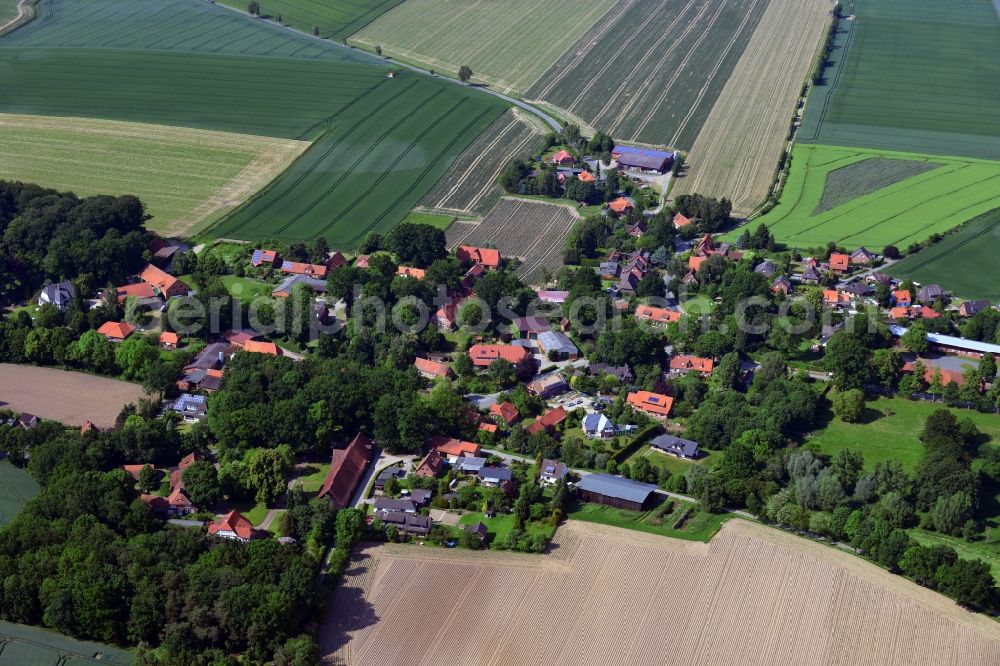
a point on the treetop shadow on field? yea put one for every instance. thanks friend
(349, 610)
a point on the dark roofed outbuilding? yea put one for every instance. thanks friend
(615, 491)
(675, 446)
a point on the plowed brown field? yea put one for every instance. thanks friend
(608, 596)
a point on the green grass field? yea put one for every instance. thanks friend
(313, 476)
(335, 20)
(895, 437)
(382, 144)
(701, 526)
(892, 91)
(963, 263)
(987, 550)
(904, 212)
(508, 43)
(369, 171)
(16, 488)
(22, 645)
(500, 525)
(187, 178)
(651, 71)
(433, 219)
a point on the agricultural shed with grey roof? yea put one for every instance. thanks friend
(615, 491)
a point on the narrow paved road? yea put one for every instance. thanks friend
(382, 60)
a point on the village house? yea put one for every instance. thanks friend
(683, 364)
(562, 157)
(284, 290)
(164, 284)
(902, 298)
(656, 405)
(491, 477)
(548, 385)
(547, 422)
(265, 258)
(660, 316)
(552, 472)
(482, 355)
(529, 328)
(636, 230)
(262, 347)
(970, 308)
(169, 340)
(810, 275)
(233, 526)
(765, 268)
(60, 295)
(192, 408)
(384, 505)
(432, 369)
(622, 373)
(347, 466)
(301, 268)
(782, 285)
(505, 412)
(598, 426)
(177, 473)
(408, 523)
(452, 449)
(863, 257)
(913, 312)
(469, 464)
(615, 491)
(840, 262)
(675, 446)
(116, 331)
(430, 466)
(834, 298)
(680, 220)
(488, 257)
(930, 293)
(395, 472)
(622, 206)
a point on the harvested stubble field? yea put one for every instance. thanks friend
(508, 43)
(904, 212)
(740, 143)
(186, 177)
(754, 595)
(470, 186)
(879, 98)
(533, 231)
(68, 397)
(652, 71)
(335, 20)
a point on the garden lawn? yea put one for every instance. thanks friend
(894, 437)
(697, 304)
(187, 178)
(312, 476)
(500, 525)
(674, 464)
(701, 526)
(908, 211)
(253, 511)
(441, 222)
(245, 288)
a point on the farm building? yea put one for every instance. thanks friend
(164, 284)
(233, 526)
(300, 268)
(557, 346)
(782, 284)
(452, 449)
(529, 328)
(284, 290)
(562, 157)
(488, 257)
(59, 294)
(615, 491)
(675, 446)
(659, 163)
(483, 355)
(949, 344)
(346, 469)
(262, 347)
(656, 405)
(265, 258)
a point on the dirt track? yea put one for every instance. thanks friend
(69, 397)
(608, 596)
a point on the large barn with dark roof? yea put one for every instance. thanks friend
(615, 491)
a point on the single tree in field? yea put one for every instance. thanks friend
(378, 50)
(464, 73)
(315, 31)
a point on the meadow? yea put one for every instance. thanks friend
(16, 488)
(904, 212)
(367, 173)
(470, 186)
(382, 143)
(880, 97)
(34, 646)
(186, 177)
(964, 262)
(508, 43)
(335, 20)
(738, 148)
(651, 71)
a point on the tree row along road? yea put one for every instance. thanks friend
(549, 120)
